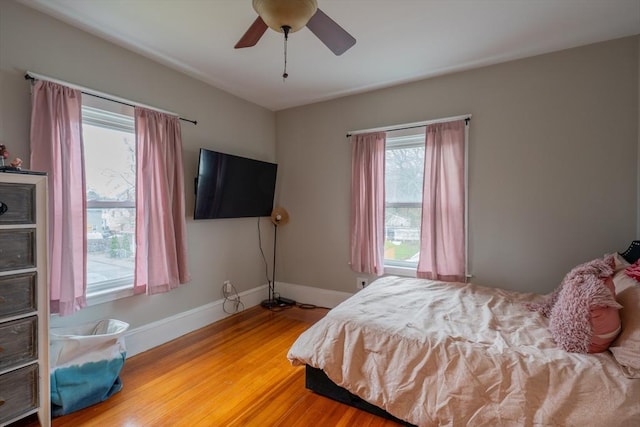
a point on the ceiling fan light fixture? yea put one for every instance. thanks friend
(279, 13)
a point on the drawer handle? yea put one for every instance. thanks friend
(3, 208)
(1, 402)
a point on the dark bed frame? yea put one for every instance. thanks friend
(632, 253)
(317, 381)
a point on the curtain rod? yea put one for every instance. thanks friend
(465, 117)
(87, 91)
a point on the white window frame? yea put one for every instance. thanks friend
(415, 139)
(111, 115)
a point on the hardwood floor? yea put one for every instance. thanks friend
(231, 373)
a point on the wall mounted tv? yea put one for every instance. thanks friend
(229, 186)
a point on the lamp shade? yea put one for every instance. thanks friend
(279, 13)
(279, 216)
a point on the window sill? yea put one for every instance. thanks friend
(101, 297)
(400, 271)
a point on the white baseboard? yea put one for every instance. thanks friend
(162, 331)
(310, 295)
(153, 334)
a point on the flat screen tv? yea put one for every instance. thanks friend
(229, 186)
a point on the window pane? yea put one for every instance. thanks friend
(109, 157)
(403, 208)
(402, 235)
(110, 179)
(110, 247)
(403, 174)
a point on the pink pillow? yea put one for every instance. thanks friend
(605, 323)
(605, 327)
(583, 313)
(633, 271)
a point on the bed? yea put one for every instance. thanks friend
(429, 353)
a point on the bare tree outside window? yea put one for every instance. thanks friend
(404, 166)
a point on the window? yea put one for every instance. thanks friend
(404, 171)
(108, 132)
(393, 228)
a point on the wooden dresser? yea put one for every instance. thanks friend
(24, 298)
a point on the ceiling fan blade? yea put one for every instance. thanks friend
(253, 34)
(330, 33)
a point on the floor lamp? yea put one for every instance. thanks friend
(279, 216)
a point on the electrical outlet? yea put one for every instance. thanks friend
(227, 286)
(361, 282)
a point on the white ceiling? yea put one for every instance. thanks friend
(397, 40)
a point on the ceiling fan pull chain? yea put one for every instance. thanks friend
(285, 29)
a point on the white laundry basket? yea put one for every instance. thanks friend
(85, 363)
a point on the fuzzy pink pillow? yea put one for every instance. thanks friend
(585, 317)
(583, 313)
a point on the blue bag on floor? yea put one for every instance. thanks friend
(85, 364)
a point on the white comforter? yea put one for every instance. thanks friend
(435, 353)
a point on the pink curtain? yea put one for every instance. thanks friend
(57, 148)
(442, 237)
(161, 254)
(367, 203)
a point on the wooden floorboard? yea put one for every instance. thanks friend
(231, 373)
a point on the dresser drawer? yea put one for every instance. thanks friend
(17, 294)
(17, 249)
(18, 392)
(17, 203)
(18, 342)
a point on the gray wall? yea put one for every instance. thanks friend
(552, 165)
(218, 249)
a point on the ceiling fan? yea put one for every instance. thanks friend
(288, 16)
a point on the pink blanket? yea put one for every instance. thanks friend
(433, 353)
